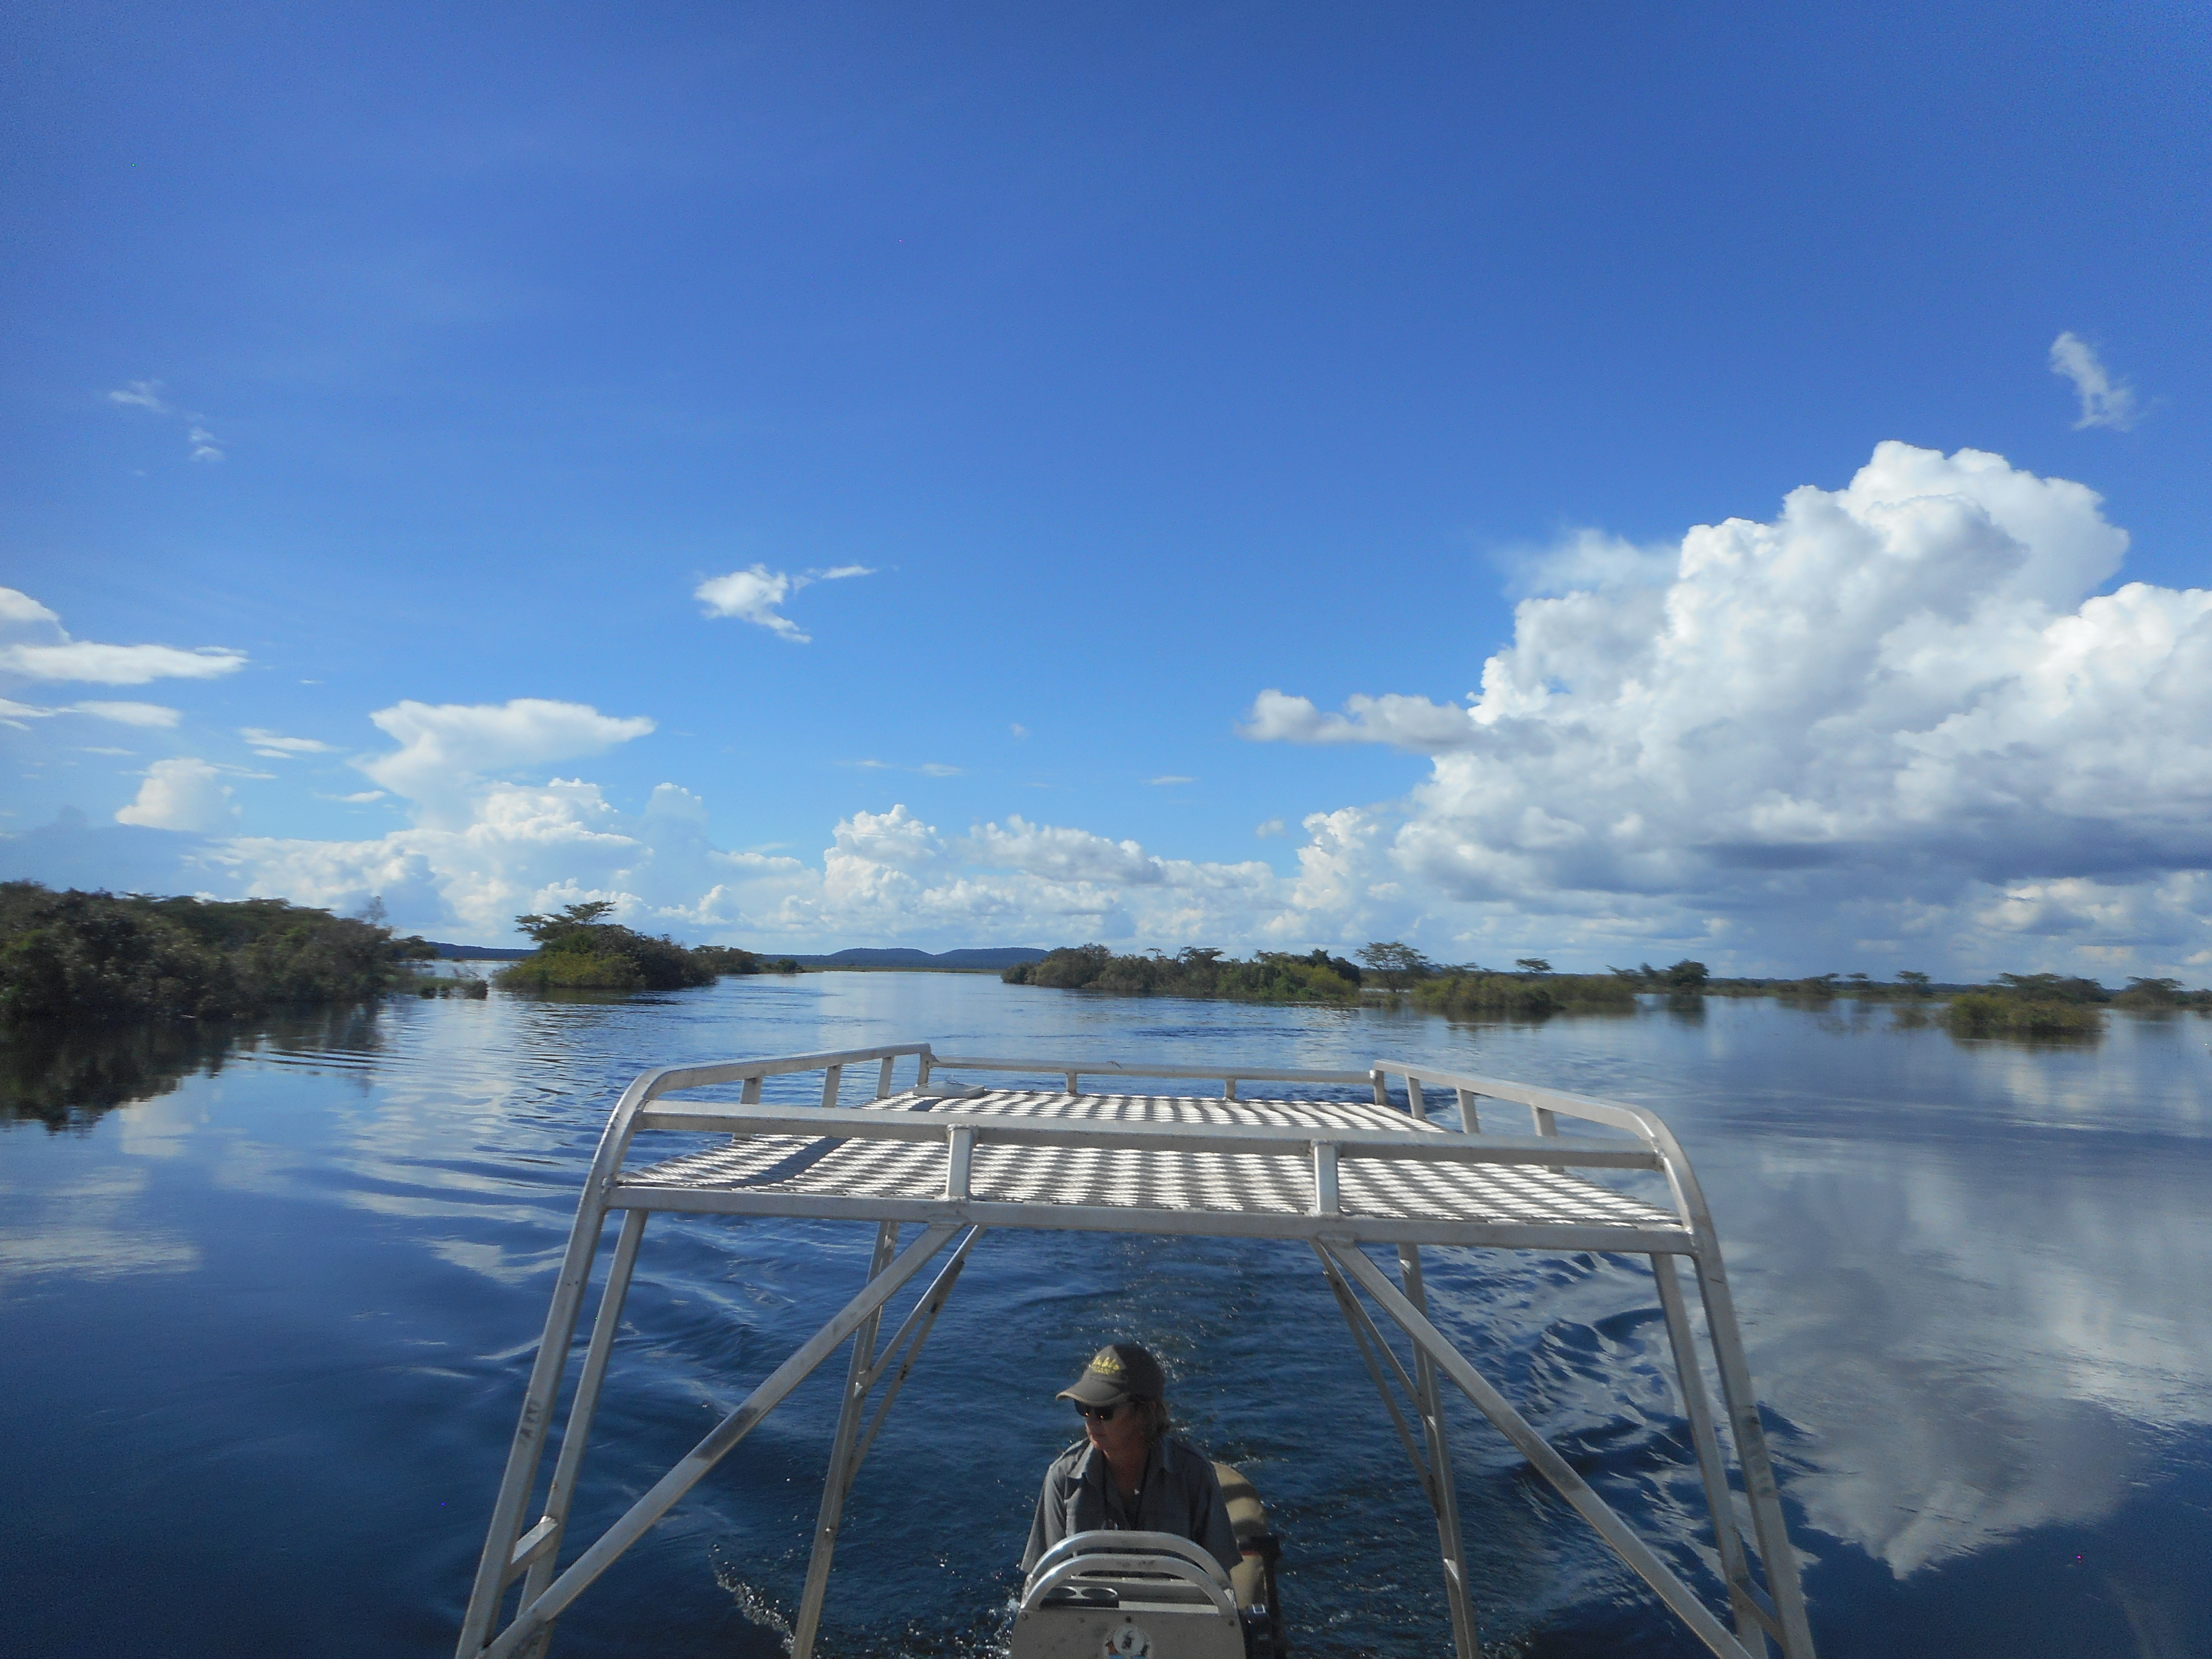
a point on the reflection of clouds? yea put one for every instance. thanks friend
(158, 1127)
(1965, 1332)
(495, 1262)
(1970, 1276)
(2129, 1073)
(84, 1248)
(88, 1227)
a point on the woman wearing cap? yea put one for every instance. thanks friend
(1128, 1473)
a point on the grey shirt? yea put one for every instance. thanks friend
(1179, 1495)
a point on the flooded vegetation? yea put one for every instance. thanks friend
(2029, 1007)
(1479, 995)
(1194, 971)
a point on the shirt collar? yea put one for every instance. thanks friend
(1094, 1466)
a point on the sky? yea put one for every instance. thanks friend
(1609, 483)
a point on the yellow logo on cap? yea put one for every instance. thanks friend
(1105, 1361)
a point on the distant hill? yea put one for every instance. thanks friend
(474, 952)
(993, 960)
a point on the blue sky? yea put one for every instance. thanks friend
(1146, 360)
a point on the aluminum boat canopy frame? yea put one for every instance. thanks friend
(1336, 1174)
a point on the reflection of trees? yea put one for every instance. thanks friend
(65, 1075)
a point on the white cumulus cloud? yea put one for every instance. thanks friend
(152, 714)
(485, 845)
(753, 595)
(1894, 712)
(2105, 401)
(182, 795)
(35, 645)
(21, 609)
(122, 714)
(444, 749)
(1904, 723)
(1413, 723)
(276, 746)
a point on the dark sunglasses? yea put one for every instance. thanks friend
(1100, 1413)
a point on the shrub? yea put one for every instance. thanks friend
(728, 959)
(1984, 1014)
(1510, 996)
(1196, 971)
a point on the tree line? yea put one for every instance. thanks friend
(2034, 1005)
(1195, 972)
(74, 956)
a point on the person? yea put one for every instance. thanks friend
(1127, 1472)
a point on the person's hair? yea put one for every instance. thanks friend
(1153, 1414)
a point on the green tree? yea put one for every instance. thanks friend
(1686, 976)
(1913, 981)
(1532, 965)
(2054, 988)
(2152, 994)
(1398, 964)
(575, 918)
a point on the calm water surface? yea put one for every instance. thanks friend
(263, 1331)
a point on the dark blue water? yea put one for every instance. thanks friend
(264, 1333)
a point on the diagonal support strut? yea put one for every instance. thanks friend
(718, 1444)
(1542, 1456)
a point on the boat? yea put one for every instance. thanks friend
(1343, 1162)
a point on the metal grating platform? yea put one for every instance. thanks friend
(1217, 1183)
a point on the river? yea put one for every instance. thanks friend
(266, 1307)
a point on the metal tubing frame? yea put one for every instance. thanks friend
(1465, 1637)
(1775, 1555)
(577, 1434)
(910, 1335)
(849, 1448)
(510, 1552)
(493, 1570)
(1542, 1456)
(837, 1478)
(1362, 1334)
(535, 1616)
(1428, 1400)
(1752, 1621)
(1431, 1465)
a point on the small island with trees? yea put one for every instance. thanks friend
(580, 949)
